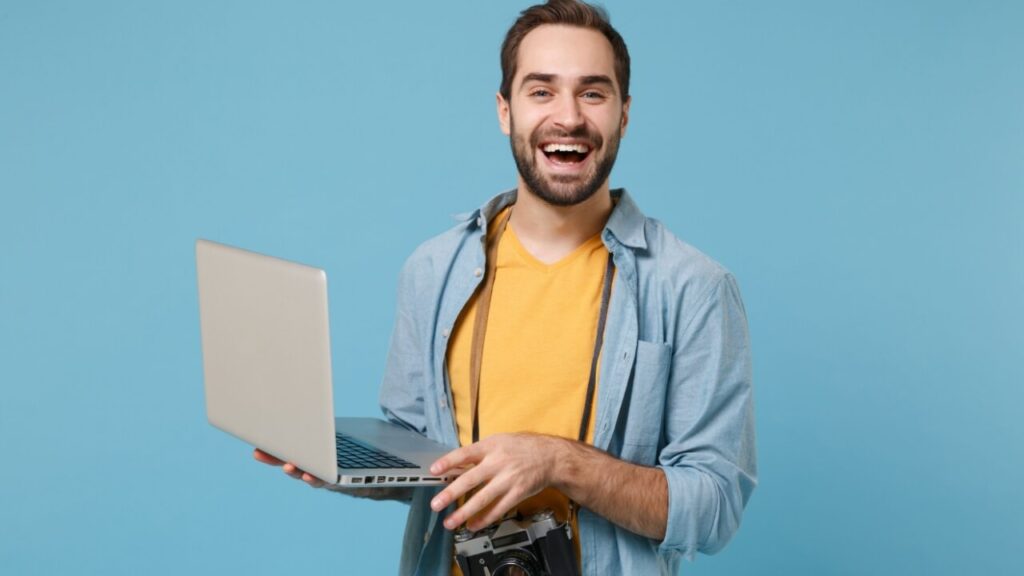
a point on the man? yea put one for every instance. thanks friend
(584, 359)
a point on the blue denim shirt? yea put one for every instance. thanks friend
(675, 387)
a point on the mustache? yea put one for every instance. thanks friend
(592, 139)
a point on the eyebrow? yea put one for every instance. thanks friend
(590, 80)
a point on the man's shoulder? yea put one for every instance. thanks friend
(676, 268)
(438, 251)
(671, 253)
(660, 254)
(431, 258)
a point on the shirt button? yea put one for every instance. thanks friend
(446, 332)
(478, 272)
(480, 221)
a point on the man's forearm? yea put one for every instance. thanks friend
(505, 469)
(634, 497)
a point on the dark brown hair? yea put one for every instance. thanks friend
(568, 13)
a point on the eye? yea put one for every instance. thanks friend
(540, 93)
(593, 95)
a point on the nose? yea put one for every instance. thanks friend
(568, 115)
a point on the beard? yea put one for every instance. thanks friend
(563, 189)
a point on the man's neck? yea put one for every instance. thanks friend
(549, 232)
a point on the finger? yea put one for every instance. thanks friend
(266, 458)
(291, 470)
(460, 457)
(474, 505)
(312, 480)
(458, 487)
(496, 512)
(456, 472)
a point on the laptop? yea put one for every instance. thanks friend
(267, 372)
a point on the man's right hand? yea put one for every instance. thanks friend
(402, 494)
(289, 468)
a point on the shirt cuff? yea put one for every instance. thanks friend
(692, 509)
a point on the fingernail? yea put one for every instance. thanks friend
(436, 504)
(435, 468)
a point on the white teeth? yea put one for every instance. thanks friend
(579, 148)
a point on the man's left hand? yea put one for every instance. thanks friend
(507, 468)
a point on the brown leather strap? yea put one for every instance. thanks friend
(606, 292)
(483, 308)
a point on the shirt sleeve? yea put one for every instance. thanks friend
(709, 457)
(401, 391)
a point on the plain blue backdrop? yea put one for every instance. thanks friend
(858, 165)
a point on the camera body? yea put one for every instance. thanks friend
(538, 546)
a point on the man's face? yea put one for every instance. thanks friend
(565, 115)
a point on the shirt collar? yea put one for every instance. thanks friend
(626, 222)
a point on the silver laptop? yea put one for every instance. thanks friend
(267, 369)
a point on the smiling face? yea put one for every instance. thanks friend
(564, 115)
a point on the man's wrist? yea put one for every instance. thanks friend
(566, 465)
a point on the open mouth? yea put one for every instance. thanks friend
(566, 154)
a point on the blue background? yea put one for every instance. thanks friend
(859, 166)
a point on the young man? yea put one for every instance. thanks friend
(585, 360)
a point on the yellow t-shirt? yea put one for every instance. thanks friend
(537, 349)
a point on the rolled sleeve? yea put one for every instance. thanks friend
(709, 455)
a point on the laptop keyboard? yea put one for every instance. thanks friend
(354, 454)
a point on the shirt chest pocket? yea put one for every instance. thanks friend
(643, 423)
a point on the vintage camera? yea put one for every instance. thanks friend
(538, 546)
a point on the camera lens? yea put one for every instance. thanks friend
(517, 563)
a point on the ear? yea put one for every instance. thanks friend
(625, 116)
(503, 114)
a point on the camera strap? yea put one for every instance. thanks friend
(480, 329)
